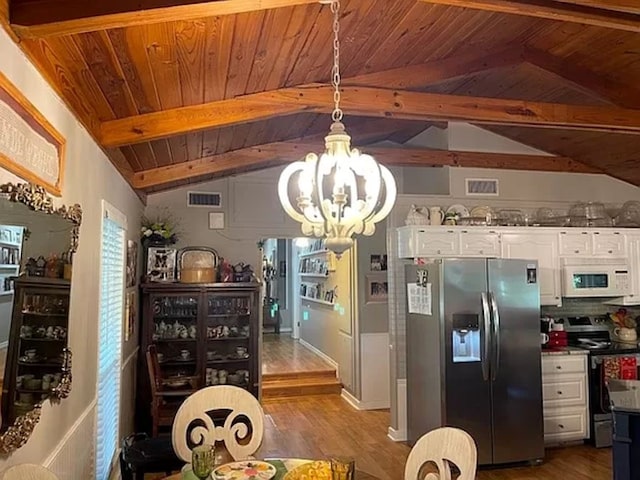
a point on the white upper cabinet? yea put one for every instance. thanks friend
(633, 255)
(543, 247)
(575, 244)
(610, 244)
(588, 243)
(438, 243)
(479, 244)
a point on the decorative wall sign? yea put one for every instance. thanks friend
(29, 145)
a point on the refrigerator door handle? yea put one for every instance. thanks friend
(495, 360)
(486, 326)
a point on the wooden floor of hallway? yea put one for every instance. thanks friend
(325, 425)
(291, 369)
(283, 354)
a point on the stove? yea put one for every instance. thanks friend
(593, 333)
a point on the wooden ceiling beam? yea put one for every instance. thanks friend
(465, 62)
(551, 10)
(628, 6)
(613, 91)
(367, 102)
(45, 18)
(279, 153)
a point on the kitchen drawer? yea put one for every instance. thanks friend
(564, 389)
(556, 364)
(563, 424)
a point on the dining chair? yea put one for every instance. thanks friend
(437, 451)
(164, 402)
(220, 413)
(28, 471)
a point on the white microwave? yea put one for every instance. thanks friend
(596, 279)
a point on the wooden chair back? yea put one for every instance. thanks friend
(241, 430)
(28, 471)
(437, 451)
(155, 377)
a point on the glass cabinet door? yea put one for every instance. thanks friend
(228, 335)
(43, 321)
(175, 333)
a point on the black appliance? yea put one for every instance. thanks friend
(593, 333)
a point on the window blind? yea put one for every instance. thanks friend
(110, 344)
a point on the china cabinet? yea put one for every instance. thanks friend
(37, 356)
(207, 331)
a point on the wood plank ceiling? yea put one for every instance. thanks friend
(180, 91)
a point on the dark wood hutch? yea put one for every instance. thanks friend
(37, 344)
(209, 331)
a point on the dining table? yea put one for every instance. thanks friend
(283, 466)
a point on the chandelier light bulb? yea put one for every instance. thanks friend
(343, 192)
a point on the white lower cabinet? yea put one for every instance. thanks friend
(565, 424)
(565, 398)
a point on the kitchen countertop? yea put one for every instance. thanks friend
(565, 351)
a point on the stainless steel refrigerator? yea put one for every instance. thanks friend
(473, 355)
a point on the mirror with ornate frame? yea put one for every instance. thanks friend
(37, 244)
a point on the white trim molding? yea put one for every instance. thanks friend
(321, 354)
(400, 434)
(71, 458)
(360, 405)
(374, 371)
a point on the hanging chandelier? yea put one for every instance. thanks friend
(344, 192)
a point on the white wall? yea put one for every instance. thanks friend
(252, 212)
(89, 178)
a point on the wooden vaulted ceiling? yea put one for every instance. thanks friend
(180, 91)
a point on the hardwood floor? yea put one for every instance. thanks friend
(282, 354)
(321, 426)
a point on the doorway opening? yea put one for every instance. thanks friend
(307, 318)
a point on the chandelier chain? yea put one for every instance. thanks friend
(336, 115)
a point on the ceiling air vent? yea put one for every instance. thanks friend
(204, 199)
(482, 186)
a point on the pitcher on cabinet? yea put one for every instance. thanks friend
(435, 215)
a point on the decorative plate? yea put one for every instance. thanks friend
(458, 210)
(247, 470)
(317, 470)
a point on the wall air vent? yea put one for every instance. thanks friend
(204, 199)
(482, 186)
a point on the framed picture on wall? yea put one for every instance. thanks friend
(132, 263)
(377, 289)
(378, 262)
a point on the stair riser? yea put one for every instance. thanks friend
(320, 375)
(300, 390)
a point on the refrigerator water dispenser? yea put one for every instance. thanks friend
(466, 338)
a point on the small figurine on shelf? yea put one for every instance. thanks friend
(243, 273)
(226, 272)
(53, 266)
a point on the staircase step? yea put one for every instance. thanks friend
(317, 374)
(298, 387)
